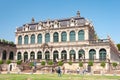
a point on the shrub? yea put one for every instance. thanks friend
(114, 64)
(19, 62)
(102, 64)
(31, 64)
(70, 63)
(60, 63)
(8, 62)
(1, 62)
(80, 64)
(50, 62)
(43, 63)
(90, 63)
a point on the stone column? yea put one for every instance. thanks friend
(35, 55)
(68, 55)
(43, 55)
(29, 39)
(76, 35)
(36, 38)
(51, 37)
(22, 55)
(51, 55)
(86, 32)
(97, 53)
(22, 39)
(59, 36)
(59, 54)
(43, 37)
(28, 55)
(86, 53)
(68, 36)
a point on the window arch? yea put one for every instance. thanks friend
(19, 56)
(39, 38)
(20, 40)
(81, 54)
(39, 55)
(72, 36)
(26, 39)
(11, 56)
(72, 54)
(64, 37)
(81, 35)
(4, 55)
(25, 56)
(32, 55)
(47, 55)
(32, 39)
(55, 37)
(92, 54)
(55, 55)
(102, 54)
(64, 55)
(47, 37)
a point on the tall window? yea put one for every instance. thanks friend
(47, 55)
(47, 37)
(25, 56)
(72, 36)
(11, 56)
(72, 55)
(64, 55)
(55, 37)
(81, 35)
(32, 39)
(20, 40)
(92, 54)
(26, 39)
(39, 55)
(64, 37)
(39, 38)
(102, 54)
(81, 54)
(19, 56)
(32, 55)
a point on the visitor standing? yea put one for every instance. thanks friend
(59, 72)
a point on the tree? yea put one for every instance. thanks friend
(118, 45)
(60, 63)
(8, 62)
(43, 63)
(90, 63)
(1, 62)
(114, 64)
(50, 62)
(80, 64)
(19, 62)
(103, 66)
(70, 62)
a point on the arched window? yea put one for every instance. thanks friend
(32, 39)
(102, 54)
(39, 55)
(55, 55)
(55, 37)
(4, 55)
(47, 55)
(19, 56)
(39, 38)
(26, 39)
(47, 37)
(92, 54)
(81, 35)
(72, 36)
(64, 55)
(20, 40)
(81, 54)
(32, 55)
(25, 56)
(11, 56)
(64, 37)
(72, 55)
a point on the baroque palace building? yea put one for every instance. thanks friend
(63, 39)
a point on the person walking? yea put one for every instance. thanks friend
(59, 72)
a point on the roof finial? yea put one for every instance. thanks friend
(33, 20)
(78, 13)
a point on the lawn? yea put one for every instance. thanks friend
(55, 77)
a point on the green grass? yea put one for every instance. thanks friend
(55, 77)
